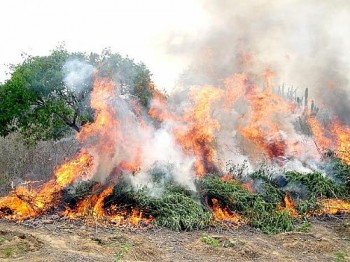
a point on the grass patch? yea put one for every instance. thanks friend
(12, 251)
(340, 256)
(210, 241)
(2, 240)
(305, 227)
(8, 252)
(123, 250)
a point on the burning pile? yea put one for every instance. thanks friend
(162, 158)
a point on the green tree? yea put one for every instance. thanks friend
(48, 96)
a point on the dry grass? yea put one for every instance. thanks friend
(19, 162)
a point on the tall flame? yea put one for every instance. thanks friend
(236, 115)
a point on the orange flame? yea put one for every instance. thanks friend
(25, 203)
(108, 147)
(333, 207)
(222, 214)
(198, 136)
(289, 206)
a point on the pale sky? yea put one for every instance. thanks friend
(133, 27)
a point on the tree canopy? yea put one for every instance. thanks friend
(48, 96)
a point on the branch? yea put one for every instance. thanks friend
(71, 124)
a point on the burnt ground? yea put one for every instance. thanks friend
(60, 240)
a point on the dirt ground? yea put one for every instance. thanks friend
(57, 240)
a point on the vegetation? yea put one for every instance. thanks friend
(19, 163)
(48, 96)
(305, 227)
(123, 250)
(181, 209)
(340, 256)
(340, 170)
(261, 214)
(174, 208)
(210, 241)
(318, 185)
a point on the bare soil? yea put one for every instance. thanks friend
(61, 240)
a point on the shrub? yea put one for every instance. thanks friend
(176, 208)
(261, 214)
(318, 185)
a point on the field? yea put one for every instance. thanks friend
(49, 239)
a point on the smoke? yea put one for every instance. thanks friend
(226, 110)
(305, 43)
(78, 75)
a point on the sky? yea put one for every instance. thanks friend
(306, 42)
(135, 28)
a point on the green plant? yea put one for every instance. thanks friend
(339, 168)
(123, 250)
(305, 227)
(340, 256)
(306, 206)
(318, 185)
(2, 240)
(8, 252)
(210, 241)
(261, 214)
(176, 208)
(268, 189)
(44, 99)
(177, 211)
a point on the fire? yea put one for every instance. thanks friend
(198, 136)
(237, 113)
(319, 133)
(333, 207)
(104, 132)
(249, 186)
(24, 203)
(93, 207)
(222, 214)
(342, 134)
(336, 137)
(262, 126)
(79, 167)
(289, 206)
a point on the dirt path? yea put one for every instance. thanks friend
(67, 241)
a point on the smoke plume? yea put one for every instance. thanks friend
(304, 43)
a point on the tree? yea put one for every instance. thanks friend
(48, 96)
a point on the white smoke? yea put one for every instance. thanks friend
(77, 75)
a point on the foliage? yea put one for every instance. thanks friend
(177, 211)
(305, 227)
(340, 256)
(124, 249)
(5, 182)
(339, 169)
(43, 101)
(268, 189)
(318, 185)
(306, 206)
(175, 208)
(210, 241)
(261, 214)
(71, 194)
